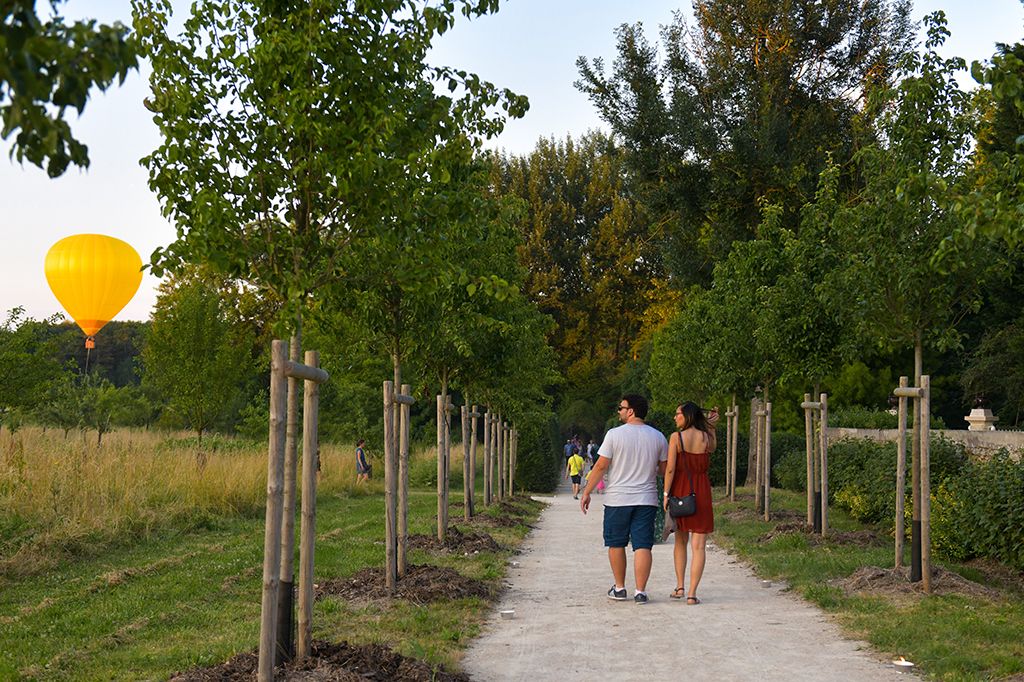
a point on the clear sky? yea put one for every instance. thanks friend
(529, 46)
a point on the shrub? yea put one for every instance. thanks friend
(862, 475)
(791, 469)
(981, 512)
(787, 447)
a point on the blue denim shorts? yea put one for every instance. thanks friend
(636, 523)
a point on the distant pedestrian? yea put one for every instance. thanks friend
(567, 449)
(632, 456)
(689, 456)
(574, 471)
(363, 468)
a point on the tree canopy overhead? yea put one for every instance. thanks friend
(47, 66)
(292, 129)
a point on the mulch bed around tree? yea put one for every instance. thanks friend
(998, 574)
(340, 662)
(860, 538)
(456, 542)
(421, 584)
(896, 582)
(500, 521)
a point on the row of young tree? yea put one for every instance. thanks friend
(782, 176)
(318, 168)
(792, 196)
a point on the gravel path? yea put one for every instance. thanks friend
(565, 628)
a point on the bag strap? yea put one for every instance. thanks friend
(682, 456)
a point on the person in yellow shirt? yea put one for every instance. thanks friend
(574, 470)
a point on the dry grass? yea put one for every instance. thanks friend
(61, 498)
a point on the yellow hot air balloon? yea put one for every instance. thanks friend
(93, 276)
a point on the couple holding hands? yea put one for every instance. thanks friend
(630, 460)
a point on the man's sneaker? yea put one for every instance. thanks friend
(617, 595)
(640, 598)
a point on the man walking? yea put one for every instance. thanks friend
(631, 456)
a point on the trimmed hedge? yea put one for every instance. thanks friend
(980, 513)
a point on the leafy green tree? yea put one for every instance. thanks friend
(26, 364)
(192, 355)
(62, 407)
(991, 206)
(48, 66)
(904, 213)
(743, 106)
(100, 404)
(278, 155)
(806, 322)
(592, 263)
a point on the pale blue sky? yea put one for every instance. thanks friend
(529, 46)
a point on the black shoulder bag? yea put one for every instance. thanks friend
(687, 504)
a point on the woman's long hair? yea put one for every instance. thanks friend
(693, 416)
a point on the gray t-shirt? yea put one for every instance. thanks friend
(634, 451)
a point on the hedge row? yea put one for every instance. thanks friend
(977, 505)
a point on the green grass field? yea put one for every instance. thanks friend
(141, 606)
(951, 636)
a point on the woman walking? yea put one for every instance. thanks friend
(689, 456)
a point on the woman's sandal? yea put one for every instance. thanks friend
(677, 593)
(692, 601)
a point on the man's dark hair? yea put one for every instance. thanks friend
(637, 403)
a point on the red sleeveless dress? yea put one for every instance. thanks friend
(697, 464)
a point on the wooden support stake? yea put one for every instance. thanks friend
(467, 491)
(824, 464)
(501, 457)
(403, 477)
(272, 529)
(390, 490)
(285, 590)
(441, 529)
(487, 459)
(728, 451)
(474, 415)
(508, 457)
(901, 473)
(735, 444)
(447, 459)
(767, 459)
(926, 484)
(307, 530)
(759, 462)
(512, 468)
(809, 450)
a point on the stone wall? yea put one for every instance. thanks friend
(979, 442)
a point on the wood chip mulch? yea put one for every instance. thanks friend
(456, 542)
(893, 581)
(420, 585)
(342, 662)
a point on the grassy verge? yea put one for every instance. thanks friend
(977, 634)
(142, 606)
